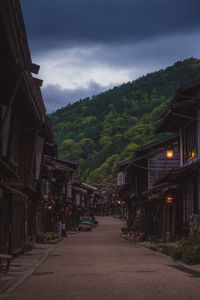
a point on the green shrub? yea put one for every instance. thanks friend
(48, 235)
(188, 251)
(44, 237)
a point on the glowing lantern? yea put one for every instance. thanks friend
(50, 207)
(118, 202)
(169, 153)
(169, 199)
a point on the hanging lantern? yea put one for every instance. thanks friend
(50, 207)
(169, 153)
(168, 199)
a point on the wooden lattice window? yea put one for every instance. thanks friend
(190, 141)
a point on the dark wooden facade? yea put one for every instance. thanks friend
(56, 191)
(36, 187)
(143, 171)
(182, 116)
(22, 117)
(84, 201)
(165, 190)
(105, 201)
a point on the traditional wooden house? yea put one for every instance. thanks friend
(56, 192)
(124, 205)
(136, 180)
(85, 199)
(50, 149)
(182, 116)
(162, 157)
(22, 118)
(104, 204)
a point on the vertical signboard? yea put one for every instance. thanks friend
(69, 189)
(120, 178)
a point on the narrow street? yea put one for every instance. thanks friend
(101, 265)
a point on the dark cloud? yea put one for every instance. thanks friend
(158, 52)
(106, 41)
(56, 97)
(54, 24)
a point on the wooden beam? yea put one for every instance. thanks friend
(35, 68)
(9, 108)
(38, 81)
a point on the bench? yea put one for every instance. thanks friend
(5, 262)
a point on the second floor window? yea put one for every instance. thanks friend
(190, 141)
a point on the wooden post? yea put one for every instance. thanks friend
(173, 229)
(198, 150)
(10, 224)
(198, 132)
(164, 222)
(181, 147)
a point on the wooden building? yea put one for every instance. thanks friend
(137, 178)
(22, 119)
(56, 192)
(182, 116)
(85, 201)
(104, 204)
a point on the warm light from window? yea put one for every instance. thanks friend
(169, 153)
(49, 207)
(169, 199)
(193, 154)
(123, 202)
(118, 202)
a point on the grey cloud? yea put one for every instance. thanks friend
(148, 54)
(55, 97)
(53, 24)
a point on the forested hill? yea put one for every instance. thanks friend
(109, 127)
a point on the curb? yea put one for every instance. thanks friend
(28, 273)
(187, 267)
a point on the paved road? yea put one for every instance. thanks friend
(100, 265)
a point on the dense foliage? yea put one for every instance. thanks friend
(109, 127)
(188, 251)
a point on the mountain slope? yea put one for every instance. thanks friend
(109, 127)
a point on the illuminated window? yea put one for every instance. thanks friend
(190, 141)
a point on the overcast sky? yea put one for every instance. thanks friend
(87, 46)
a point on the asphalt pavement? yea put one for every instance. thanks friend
(100, 265)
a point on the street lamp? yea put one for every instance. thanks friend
(168, 199)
